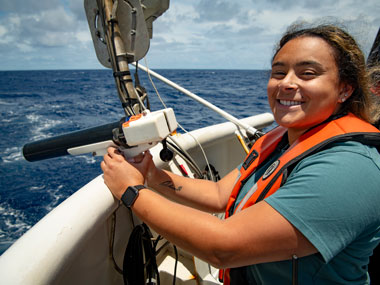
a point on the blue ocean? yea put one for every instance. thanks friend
(35, 105)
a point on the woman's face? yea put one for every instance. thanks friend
(304, 87)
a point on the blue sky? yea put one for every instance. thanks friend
(53, 34)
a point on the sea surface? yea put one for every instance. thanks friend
(35, 105)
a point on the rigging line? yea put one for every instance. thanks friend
(184, 154)
(148, 71)
(142, 105)
(140, 101)
(151, 81)
(112, 243)
(216, 109)
(200, 146)
(175, 264)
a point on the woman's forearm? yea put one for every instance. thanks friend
(204, 195)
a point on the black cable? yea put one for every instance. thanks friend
(295, 270)
(112, 243)
(187, 158)
(121, 87)
(140, 248)
(156, 242)
(175, 265)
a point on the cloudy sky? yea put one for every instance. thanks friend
(54, 34)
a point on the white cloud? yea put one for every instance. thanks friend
(83, 37)
(256, 26)
(77, 8)
(191, 34)
(217, 10)
(30, 6)
(24, 47)
(3, 31)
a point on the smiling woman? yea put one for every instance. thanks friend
(307, 191)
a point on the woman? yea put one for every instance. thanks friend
(326, 212)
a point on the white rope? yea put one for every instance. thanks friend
(221, 112)
(148, 71)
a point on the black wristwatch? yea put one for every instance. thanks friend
(130, 195)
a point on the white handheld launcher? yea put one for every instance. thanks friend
(132, 136)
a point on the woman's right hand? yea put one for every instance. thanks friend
(144, 163)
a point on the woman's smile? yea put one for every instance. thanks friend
(289, 103)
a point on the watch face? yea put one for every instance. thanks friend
(129, 196)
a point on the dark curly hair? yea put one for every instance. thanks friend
(349, 59)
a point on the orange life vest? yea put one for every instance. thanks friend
(346, 128)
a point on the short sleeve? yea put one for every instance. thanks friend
(333, 196)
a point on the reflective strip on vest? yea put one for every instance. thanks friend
(246, 198)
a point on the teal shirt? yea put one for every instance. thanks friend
(333, 199)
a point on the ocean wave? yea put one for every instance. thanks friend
(89, 159)
(2, 102)
(16, 95)
(57, 197)
(37, 188)
(12, 154)
(33, 117)
(39, 126)
(13, 222)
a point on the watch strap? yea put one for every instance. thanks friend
(140, 187)
(130, 195)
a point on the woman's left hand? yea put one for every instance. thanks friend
(119, 173)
